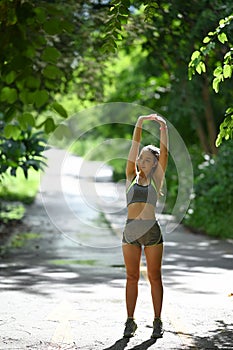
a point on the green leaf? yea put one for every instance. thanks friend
(218, 140)
(67, 26)
(195, 55)
(11, 131)
(227, 71)
(62, 131)
(222, 38)
(226, 127)
(10, 77)
(41, 97)
(49, 125)
(33, 82)
(40, 14)
(52, 26)
(10, 114)
(206, 40)
(52, 72)
(190, 73)
(30, 52)
(59, 109)
(215, 84)
(227, 57)
(222, 22)
(203, 67)
(217, 71)
(51, 54)
(200, 67)
(8, 95)
(26, 120)
(229, 110)
(27, 97)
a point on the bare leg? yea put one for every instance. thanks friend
(154, 260)
(132, 256)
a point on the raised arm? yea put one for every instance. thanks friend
(163, 158)
(131, 167)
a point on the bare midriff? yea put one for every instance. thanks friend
(141, 211)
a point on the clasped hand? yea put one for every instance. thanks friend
(154, 117)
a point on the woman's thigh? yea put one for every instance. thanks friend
(132, 257)
(154, 256)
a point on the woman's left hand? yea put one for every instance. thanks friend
(156, 118)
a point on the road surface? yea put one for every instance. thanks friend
(64, 287)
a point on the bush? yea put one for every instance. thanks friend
(211, 208)
(23, 151)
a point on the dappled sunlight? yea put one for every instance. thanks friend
(195, 263)
(44, 279)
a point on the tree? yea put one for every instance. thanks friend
(168, 32)
(223, 69)
(43, 43)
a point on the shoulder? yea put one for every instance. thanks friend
(131, 177)
(130, 182)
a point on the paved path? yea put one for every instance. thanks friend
(64, 289)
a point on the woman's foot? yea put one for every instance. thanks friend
(157, 328)
(130, 328)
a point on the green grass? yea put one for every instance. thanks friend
(11, 211)
(21, 239)
(18, 188)
(18, 241)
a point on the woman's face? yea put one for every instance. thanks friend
(145, 162)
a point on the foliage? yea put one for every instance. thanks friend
(11, 212)
(32, 70)
(222, 71)
(211, 207)
(226, 127)
(24, 150)
(21, 239)
(44, 46)
(118, 15)
(15, 192)
(159, 37)
(18, 188)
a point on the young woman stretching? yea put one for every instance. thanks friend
(144, 178)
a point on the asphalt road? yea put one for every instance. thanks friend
(64, 287)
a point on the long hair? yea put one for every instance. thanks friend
(156, 153)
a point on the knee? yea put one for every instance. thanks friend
(155, 277)
(133, 277)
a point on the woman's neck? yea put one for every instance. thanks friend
(143, 179)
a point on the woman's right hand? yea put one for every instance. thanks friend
(154, 117)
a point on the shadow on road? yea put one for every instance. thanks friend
(37, 276)
(119, 344)
(122, 343)
(219, 338)
(145, 345)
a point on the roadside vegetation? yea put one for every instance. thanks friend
(176, 58)
(16, 192)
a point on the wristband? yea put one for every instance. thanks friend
(164, 127)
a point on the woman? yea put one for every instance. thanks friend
(144, 178)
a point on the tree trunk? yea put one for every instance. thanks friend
(201, 134)
(209, 116)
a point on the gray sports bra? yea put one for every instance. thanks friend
(139, 193)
